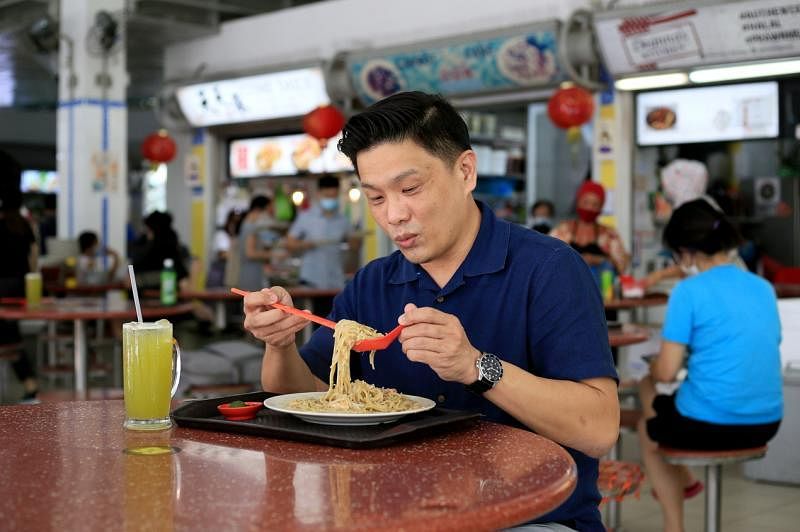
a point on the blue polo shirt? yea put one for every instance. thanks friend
(524, 296)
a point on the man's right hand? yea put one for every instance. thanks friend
(276, 328)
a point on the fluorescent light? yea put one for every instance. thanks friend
(652, 81)
(753, 70)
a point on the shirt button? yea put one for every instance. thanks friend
(440, 299)
(440, 398)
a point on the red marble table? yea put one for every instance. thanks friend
(627, 335)
(71, 466)
(78, 311)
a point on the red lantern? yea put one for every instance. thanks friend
(323, 122)
(570, 106)
(159, 147)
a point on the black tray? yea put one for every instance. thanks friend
(203, 414)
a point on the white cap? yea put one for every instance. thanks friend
(169, 263)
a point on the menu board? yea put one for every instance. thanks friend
(285, 155)
(251, 98)
(707, 114)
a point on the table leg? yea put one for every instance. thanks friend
(51, 343)
(305, 303)
(220, 315)
(80, 356)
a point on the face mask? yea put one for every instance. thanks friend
(541, 224)
(329, 204)
(587, 216)
(689, 271)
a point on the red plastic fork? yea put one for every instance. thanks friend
(373, 344)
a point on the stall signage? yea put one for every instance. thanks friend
(703, 35)
(247, 99)
(487, 65)
(285, 155)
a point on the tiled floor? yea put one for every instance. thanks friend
(747, 505)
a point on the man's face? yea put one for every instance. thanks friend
(419, 200)
(330, 193)
(590, 202)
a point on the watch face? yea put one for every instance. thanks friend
(491, 368)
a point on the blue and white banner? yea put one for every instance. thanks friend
(492, 64)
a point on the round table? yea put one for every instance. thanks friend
(627, 335)
(83, 471)
(785, 290)
(78, 310)
(649, 300)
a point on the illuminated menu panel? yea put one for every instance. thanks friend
(707, 114)
(285, 155)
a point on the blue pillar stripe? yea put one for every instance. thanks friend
(70, 173)
(104, 211)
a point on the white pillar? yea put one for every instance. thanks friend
(92, 158)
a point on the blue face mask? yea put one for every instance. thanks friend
(329, 204)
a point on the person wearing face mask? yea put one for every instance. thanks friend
(542, 214)
(597, 244)
(318, 234)
(724, 321)
(254, 253)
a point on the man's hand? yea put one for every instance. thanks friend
(275, 327)
(437, 339)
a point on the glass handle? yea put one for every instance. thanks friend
(177, 368)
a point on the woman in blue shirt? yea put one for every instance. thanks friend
(726, 320)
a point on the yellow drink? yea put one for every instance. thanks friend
(33, 289)
(147, 370)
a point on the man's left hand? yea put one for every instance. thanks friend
(437, 339)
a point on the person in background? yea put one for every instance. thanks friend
(255, 251)
(318, 234)
(47, 222)
(542, 214)
(598, 245)
(90, 269)
(725, 320)
(223, 247)
(20, 255)
(498, 319)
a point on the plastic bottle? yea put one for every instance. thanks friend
(169, 283)
(607, 284)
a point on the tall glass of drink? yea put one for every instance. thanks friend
(147, 352)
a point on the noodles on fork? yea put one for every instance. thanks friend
(358, 396)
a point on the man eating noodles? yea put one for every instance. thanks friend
(498, 319)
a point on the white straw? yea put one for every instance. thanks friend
(135, 293)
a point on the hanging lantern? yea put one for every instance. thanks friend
(159, 147)
(323, 123)
(570, 106)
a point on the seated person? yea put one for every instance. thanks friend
(498, 319)
(724, 321)
(90, 267)
(542, 213)
(598, 245)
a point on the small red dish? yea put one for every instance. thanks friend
(240, 413)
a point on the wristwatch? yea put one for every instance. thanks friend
(490, 371)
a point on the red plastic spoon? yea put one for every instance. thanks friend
(373, 344)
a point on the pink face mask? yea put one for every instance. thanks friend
(587, 215)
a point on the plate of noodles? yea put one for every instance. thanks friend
(313, 408)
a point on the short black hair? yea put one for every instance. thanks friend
(86, 240)
(427, 119)
(259, 202)
(544, 203)
(328, 181)
(697, 226)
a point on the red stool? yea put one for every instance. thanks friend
(712, 461)
(615, 481)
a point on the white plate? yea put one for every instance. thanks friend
(280, 403)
